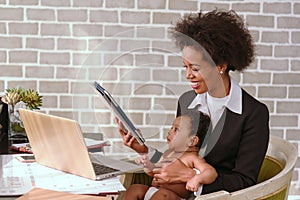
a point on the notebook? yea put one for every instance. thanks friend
(58, 143)
(117, 110)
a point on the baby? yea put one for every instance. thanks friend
(184, 140)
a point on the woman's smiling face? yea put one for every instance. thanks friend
(201, 74)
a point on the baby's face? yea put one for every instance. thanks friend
(179, 134)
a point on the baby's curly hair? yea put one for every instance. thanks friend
(199, 124)
(221, 33)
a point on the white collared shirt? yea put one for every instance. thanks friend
(214, 107)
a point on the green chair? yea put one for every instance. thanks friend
(274, 178)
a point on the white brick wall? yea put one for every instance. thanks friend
(53, 46)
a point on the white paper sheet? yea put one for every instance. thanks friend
(18, 178)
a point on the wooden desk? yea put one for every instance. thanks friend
(37, 194)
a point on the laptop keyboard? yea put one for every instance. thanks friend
(102, 169)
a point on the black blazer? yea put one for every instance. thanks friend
(240, 150)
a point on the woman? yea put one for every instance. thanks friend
(213, 44)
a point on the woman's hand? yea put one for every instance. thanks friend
(129, 140)
(172, 171)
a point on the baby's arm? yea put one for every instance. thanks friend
(207, 174)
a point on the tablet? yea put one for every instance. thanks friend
(117, 110)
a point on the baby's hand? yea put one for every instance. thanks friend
(144, 161)
(139, 160)
(192, 185)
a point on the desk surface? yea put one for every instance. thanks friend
(38, 194)
(28, 176)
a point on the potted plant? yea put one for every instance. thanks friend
(20, 98)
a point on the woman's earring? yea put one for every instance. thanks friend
(221, 72)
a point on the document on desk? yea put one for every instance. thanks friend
(18, 178)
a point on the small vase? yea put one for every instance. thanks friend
(16, 131)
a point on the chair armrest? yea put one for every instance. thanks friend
(220, 195)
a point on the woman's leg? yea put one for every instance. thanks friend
(136, 192)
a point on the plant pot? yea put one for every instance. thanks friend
(16, 131)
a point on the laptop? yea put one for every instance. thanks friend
(58, 143)
(117, 110)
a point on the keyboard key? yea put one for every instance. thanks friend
(102, 169)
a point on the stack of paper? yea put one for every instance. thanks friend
(18, 178)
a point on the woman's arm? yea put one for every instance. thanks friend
(129, 140)
(132, 143)
(177, 172)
